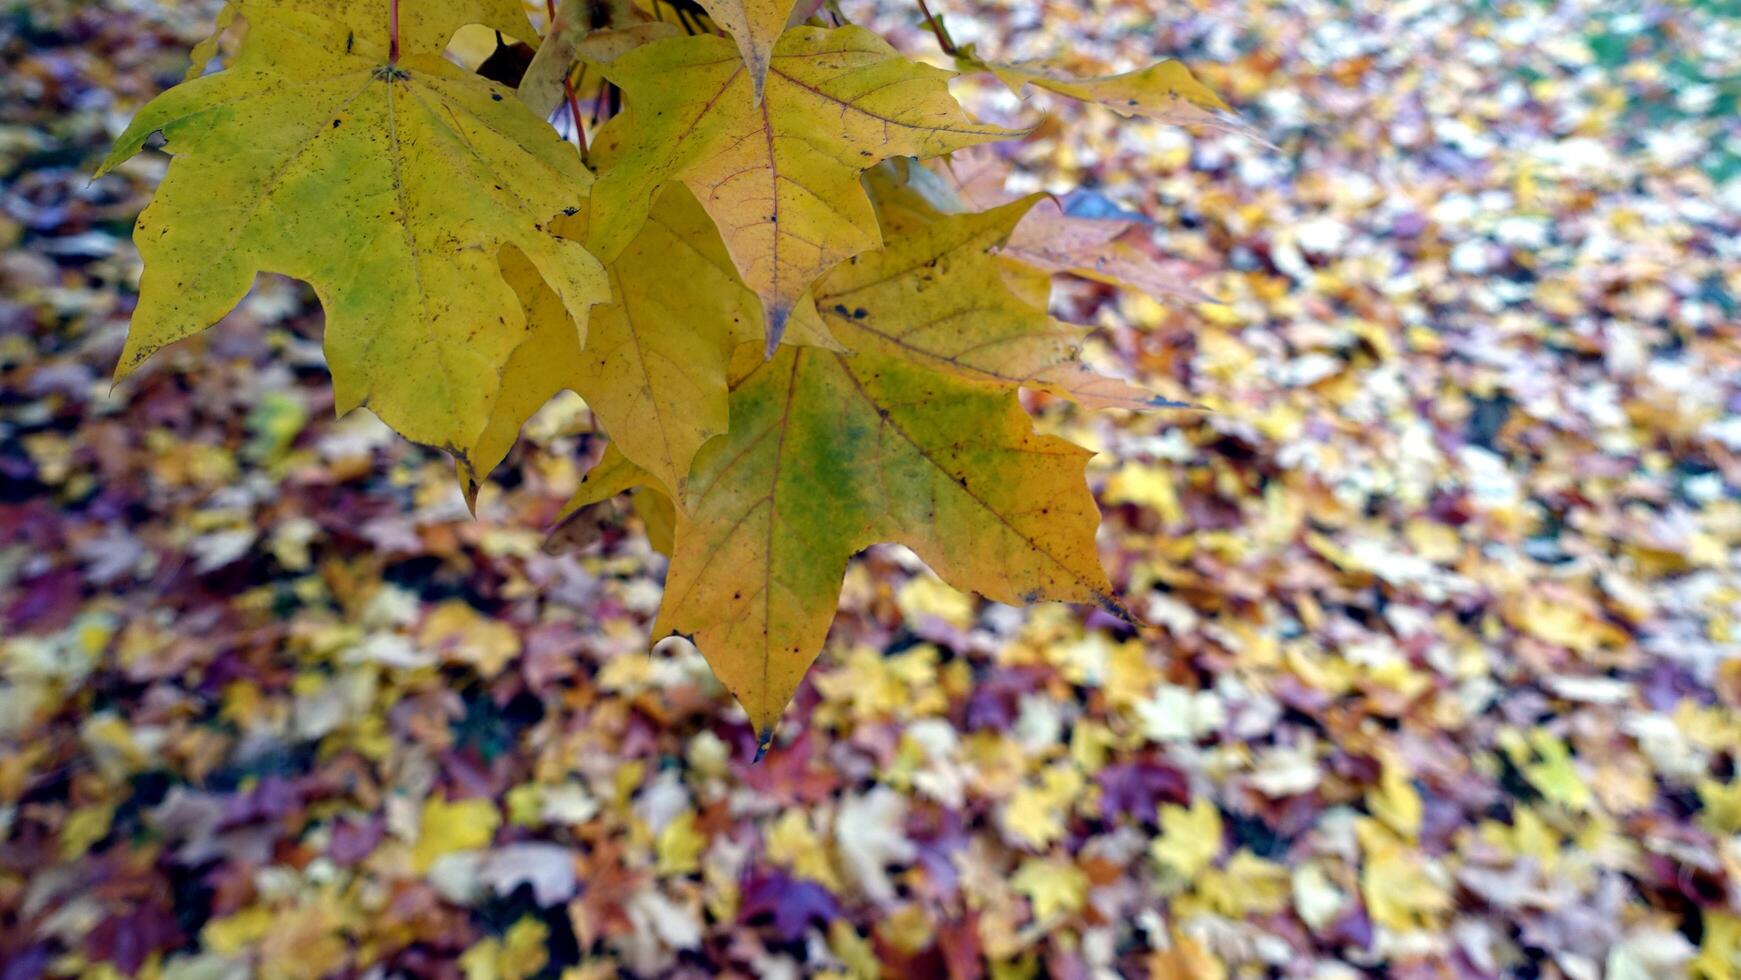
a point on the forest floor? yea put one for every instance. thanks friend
(1447, 676)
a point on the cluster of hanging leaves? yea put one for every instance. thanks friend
(801, 338)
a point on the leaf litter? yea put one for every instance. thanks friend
(1446, 679)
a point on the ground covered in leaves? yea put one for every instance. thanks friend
(1447, 676)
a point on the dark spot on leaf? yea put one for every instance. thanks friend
(335, 123)
(497, 96)
(860, 313)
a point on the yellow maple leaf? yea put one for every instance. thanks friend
(1720, 950)
(1245, 885)
(755, 25)
(788, 206)
(794, 844)
(464, 635)
(1546, 763)
(1054, 886)
(520, 953)
(1722, 806)
(1035, 815)
(1165, 91)
(1190, 839)
(828, 454)
(84, 827)
(446, 828)
(1395, 801)
(1401, 892)
(680, 845)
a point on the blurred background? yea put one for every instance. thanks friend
(1448, 675)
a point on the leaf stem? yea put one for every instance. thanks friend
(393, 32)
(567, 82)
(937, 28)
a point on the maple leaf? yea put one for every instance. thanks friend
(1047, 241)
(828, 454)
(780, 179)
(755, 25)
(935, 297)
(393, 188)
(654, 368)
(654, 365)
(1165, 91)
(207, 48)
(544, 363)
(425, 26)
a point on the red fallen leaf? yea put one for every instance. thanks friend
(791, 773)
(1352, 928)
(601, 909)
(128, 940)
(1137, 789)
(46, 603)
(353, 840)
(962, 952)
(791, 906)
(1706, 888)
(996, 699)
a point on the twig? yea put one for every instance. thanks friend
(393, 32)
(937, 28)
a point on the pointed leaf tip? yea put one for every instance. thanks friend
(778, 316)
(755, 25)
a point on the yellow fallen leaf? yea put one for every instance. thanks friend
(1055, 886)
(1395, 801)
(794, 844)
(1190, 839)
(447, 828)
(1402, 894)
(461, 634)
(680, 845)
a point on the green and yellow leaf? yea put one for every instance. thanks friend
(937, 298)
(393, 189)
(828, 454)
